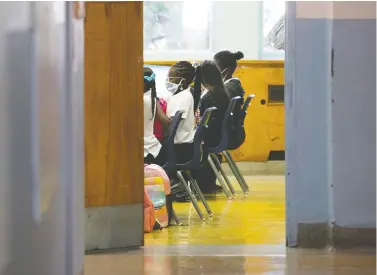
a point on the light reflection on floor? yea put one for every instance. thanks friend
(258, 218)
(245, 236)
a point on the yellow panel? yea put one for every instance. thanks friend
(264, 124)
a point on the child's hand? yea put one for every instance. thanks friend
(197, 117)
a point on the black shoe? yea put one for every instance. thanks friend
(177, 189)
(157, 226)
(218, 188)
(181, 197)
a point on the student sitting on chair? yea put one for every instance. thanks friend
(180, 76)
(215, 96)
(153, 151)
(226, 61)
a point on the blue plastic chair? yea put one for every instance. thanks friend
(169, 167)
(212, 158)
(194, 163)
(233, 166)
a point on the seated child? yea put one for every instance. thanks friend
(180, 76)
(153, 151)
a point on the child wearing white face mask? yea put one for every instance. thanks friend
(180, 76)
(183, 98)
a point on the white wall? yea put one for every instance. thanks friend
(234, 25)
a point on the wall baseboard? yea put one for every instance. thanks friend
(312, 235)
(346, 237)
(111, 227)
(320, 235)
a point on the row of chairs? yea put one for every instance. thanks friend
(183, 171)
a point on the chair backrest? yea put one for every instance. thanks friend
(225, 129)
(237, 135)
(198, 142)
(245, 107)
(175, 120)
(169, 142)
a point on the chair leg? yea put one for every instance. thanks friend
(236, 172)
(199, 192)
(238, 177)
(213, 166)
(175, 217)
(218, 164)
(192, 198)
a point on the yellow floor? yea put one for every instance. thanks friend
(245, 236)
(258, 218)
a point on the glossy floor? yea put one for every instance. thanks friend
(258, 218)
(245, 236)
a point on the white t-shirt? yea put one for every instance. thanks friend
(183, 101)
(151, 144)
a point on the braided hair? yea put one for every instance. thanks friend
(150, 84)
(227, 60)
(186, 71)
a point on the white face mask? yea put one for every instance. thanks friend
(172, 87)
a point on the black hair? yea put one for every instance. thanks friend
(227, 59)
(211, 77)
(188, 73)
(150, 84)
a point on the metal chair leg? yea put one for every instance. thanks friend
(237, 169)
(192, 198)
(218, 164)
(199, 192)
(213, 166)
(236, 172)
(238, 177)
(175, 217)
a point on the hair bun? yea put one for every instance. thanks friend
(238, 55)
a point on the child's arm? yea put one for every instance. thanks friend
(162, 117)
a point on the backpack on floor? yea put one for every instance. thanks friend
(149, 217)
(153, 170)
(157, 186)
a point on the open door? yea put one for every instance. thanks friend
(113, 125)
(41, 187)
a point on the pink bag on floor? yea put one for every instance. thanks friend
(152, 171)
(157, 186)
(149, 217)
